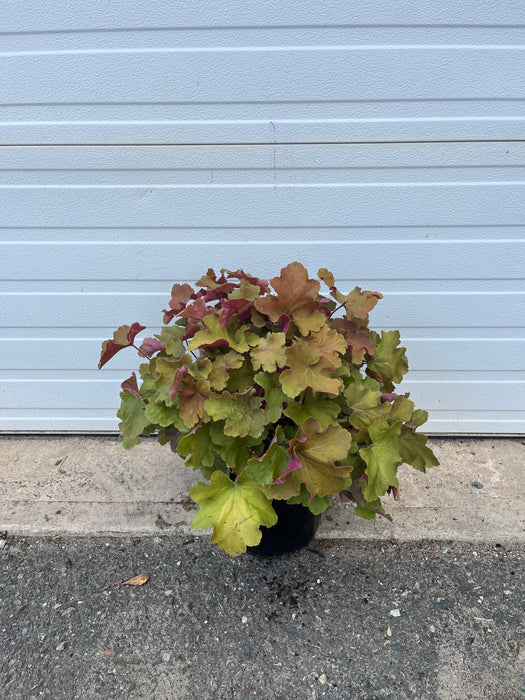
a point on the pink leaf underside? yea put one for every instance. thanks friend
(179, 376)
(131, 385)
(294, 464)
(286, 319)
(151, 345)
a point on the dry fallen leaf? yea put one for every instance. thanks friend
(110, 652)
(139, 580)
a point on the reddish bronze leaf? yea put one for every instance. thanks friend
(123, 337)
(180, 295)
(358, 341)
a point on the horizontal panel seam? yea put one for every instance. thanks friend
(248, 144)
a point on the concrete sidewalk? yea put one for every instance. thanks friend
(100, 488)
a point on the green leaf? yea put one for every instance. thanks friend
(160, 414)
(372, 509)
(413, 450)
(402, 409)
(315, 406)
(389, 361)
(215, 334)
(274, 396)
(240, 378)
(316, 504)
(235, 510)
(133, 419)
(242, 413)
(172, 337)
(382, 458)
(364, 399)
(418, 418)
(269, 468)
(235, 451)
(199, 445)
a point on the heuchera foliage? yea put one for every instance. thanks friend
(283, 394)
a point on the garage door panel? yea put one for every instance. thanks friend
(274, 205)
(109, 310)
(238, 73)
(94, 237)
(419, 260)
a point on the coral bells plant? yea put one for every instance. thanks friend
(273, 390)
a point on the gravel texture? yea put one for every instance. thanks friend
(339, 619)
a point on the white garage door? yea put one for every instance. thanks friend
(143, 144)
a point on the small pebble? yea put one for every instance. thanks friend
(2, 543)
(507, 592)
(395, 613)
(322, 678)
(61, 646)
(444, 548)
(244, 619)
(168, 592)
(432, 629)
(477, 485)
(166, 656)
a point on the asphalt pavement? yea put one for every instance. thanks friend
(341, 619)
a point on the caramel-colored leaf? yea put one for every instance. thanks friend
(296, 296)
(139, 580)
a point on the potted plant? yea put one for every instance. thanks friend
(277, 393)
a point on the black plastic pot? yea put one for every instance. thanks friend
(295, 528)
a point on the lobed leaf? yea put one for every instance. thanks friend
(133, 418)
(214, 334)
(296, 297)
(242, 413)
(382, 459)
(269, 352)
(316, 406)
(389, 361)
(317, 455)
(235, 510)
(413, 450)
(307, 370)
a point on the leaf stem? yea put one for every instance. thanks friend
(140, 352)
(337, 309)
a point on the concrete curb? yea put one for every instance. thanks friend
(99, 488)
